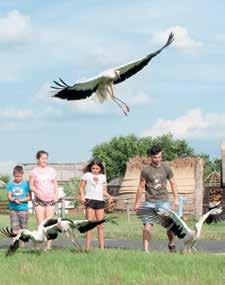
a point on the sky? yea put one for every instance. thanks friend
(181, 91)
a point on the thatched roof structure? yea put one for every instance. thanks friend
(188, 174)
(213, 179)
(138, 162)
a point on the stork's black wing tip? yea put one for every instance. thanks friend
(59, 86)
(12, 248)
(170, 39)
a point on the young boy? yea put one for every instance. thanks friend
(18, 195)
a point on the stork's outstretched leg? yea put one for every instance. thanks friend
(75, 242)
(194, 248)
(183, 250)
(121, 107)
(115, 99)
(127, 107)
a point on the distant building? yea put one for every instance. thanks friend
(65, 171)
(2, 184)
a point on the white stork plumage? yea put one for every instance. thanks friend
(68, 227)
(172, 222)
(49, 229)
(41, 235)
(102, 84)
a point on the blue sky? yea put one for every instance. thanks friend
(181, 91)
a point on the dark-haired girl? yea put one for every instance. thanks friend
(43, 184)
(93, 189)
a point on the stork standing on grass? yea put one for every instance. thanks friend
(102, 84)
(172, 222)
(49, 229)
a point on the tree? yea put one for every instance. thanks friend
(210, 165)
(118, 150)
(71, 189)
(5, 178)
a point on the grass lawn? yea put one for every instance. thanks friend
(3, 194)
(114, 266)
(111, 266)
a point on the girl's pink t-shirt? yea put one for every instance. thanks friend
(44, 182)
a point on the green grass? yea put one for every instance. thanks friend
(111, 267)
(3, 194)
(133, 230)
(114, 266)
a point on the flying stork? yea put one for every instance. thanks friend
(172, 222)
(49, 229)
(103, 83)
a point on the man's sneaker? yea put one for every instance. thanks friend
(172, 248)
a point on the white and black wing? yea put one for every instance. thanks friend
(148, 215)
(166, 218)
(22, 235)
(132, 68)
(78, 91)
(50, 225)
(86, 225)
(172, 222)
(6, 232)
(50, 222)
(217, 215)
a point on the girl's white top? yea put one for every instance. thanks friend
(94, 185)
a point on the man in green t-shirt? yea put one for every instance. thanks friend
(154, 180)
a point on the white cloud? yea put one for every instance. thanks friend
(15, 27)
(182, 38)
(89, 106)
(194, 124)
(14, 113)
(141, 98)
(44, 92)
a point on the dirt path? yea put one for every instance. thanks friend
(158, 245)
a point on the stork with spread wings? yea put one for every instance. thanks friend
(102, 85)
(49, 229)
(172, 222)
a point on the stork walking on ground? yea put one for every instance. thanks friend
(41, 235)
(172, 222)
(102, 84)
(49, 229)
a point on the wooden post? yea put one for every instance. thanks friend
(223, 164)
(63, 205)
(127, 210)
(199, 188)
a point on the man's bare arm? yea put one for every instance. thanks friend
(174, 191)
(140, 189)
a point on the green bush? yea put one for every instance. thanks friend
(5, 178)
(72, 189)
